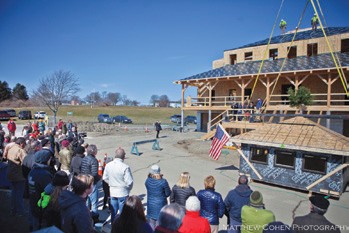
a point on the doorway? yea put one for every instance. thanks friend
(284, 91)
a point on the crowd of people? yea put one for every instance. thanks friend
(59, 174)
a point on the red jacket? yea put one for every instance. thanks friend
(11, 126)
(194, 223)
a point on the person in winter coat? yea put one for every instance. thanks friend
(65, 156)
(192, 221)
(158, 191)
(318, 207)
(212, 205)
(255, 217)
(118, 176)
(49, 199)
(182, 190)
(132, 218)
(39, 177)
(234, 202)
(11, 126)
(158, 128)
(41, 126)
(76, 216)
(75, 166)
(15, 156)
(89, 165)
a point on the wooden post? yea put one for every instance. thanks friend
(341, 167)
(329, 84)
(248, 162)
(183, 90)
(268, 92)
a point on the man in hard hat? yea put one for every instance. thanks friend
(314, 22)
(282, 26)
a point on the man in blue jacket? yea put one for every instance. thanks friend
(234, 202)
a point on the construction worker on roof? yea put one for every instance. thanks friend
(282, 26)
(314, 22)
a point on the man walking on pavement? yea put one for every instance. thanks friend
(119, 177)
(89, 166)
(158, 128)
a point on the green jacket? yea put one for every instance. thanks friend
(254, 220)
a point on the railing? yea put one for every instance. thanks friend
(282, 99)
(318, 99)
(215, 101)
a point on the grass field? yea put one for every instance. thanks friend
(139, 115)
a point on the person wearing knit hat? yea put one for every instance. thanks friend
(155, 169)
(51, 210)
(65, 156)
(254, 216)
(76, 160)
(192, 221)
(318, 207)
(39, 177)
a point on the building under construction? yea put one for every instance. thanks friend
(304, 57)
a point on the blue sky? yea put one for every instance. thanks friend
(137, 48)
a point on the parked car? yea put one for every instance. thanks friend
(122, 119)
(12, 112)
(4, 116)
(104, 118)
(40, 115)
(190, 119)
(25, 114)
(176, 118)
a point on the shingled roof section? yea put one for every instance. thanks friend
(303, 63)
(297, 133)
(301, 35)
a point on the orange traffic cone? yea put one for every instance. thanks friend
(100, 168)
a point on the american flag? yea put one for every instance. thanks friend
(219, 140)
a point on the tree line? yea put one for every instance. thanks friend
(62, 86)
(19, 92)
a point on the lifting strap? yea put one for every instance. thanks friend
(338, 67)
(266, 49)
(284, 62)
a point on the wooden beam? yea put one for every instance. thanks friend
(248, 162)
(341, 167)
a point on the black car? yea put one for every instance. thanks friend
(25, 114)
(4, 116)
(122, 119)
(190, 119)
(12, 112)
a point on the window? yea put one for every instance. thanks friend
(312, 50)
(315, 164)
(232, 59)
(273, 54)
(248, 56)
(345, 45)
(284, 159)
(259, 155)
(293, 52)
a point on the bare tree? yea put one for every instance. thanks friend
(154, 99)
(113, 97)
(164, 101)
(55, 88)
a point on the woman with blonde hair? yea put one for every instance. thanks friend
(182, 190)
(212, 205)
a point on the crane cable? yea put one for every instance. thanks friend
(289, 48)
(266, 50)
(339, 68)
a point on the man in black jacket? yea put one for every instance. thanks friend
(89, 165)
(315, 221)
